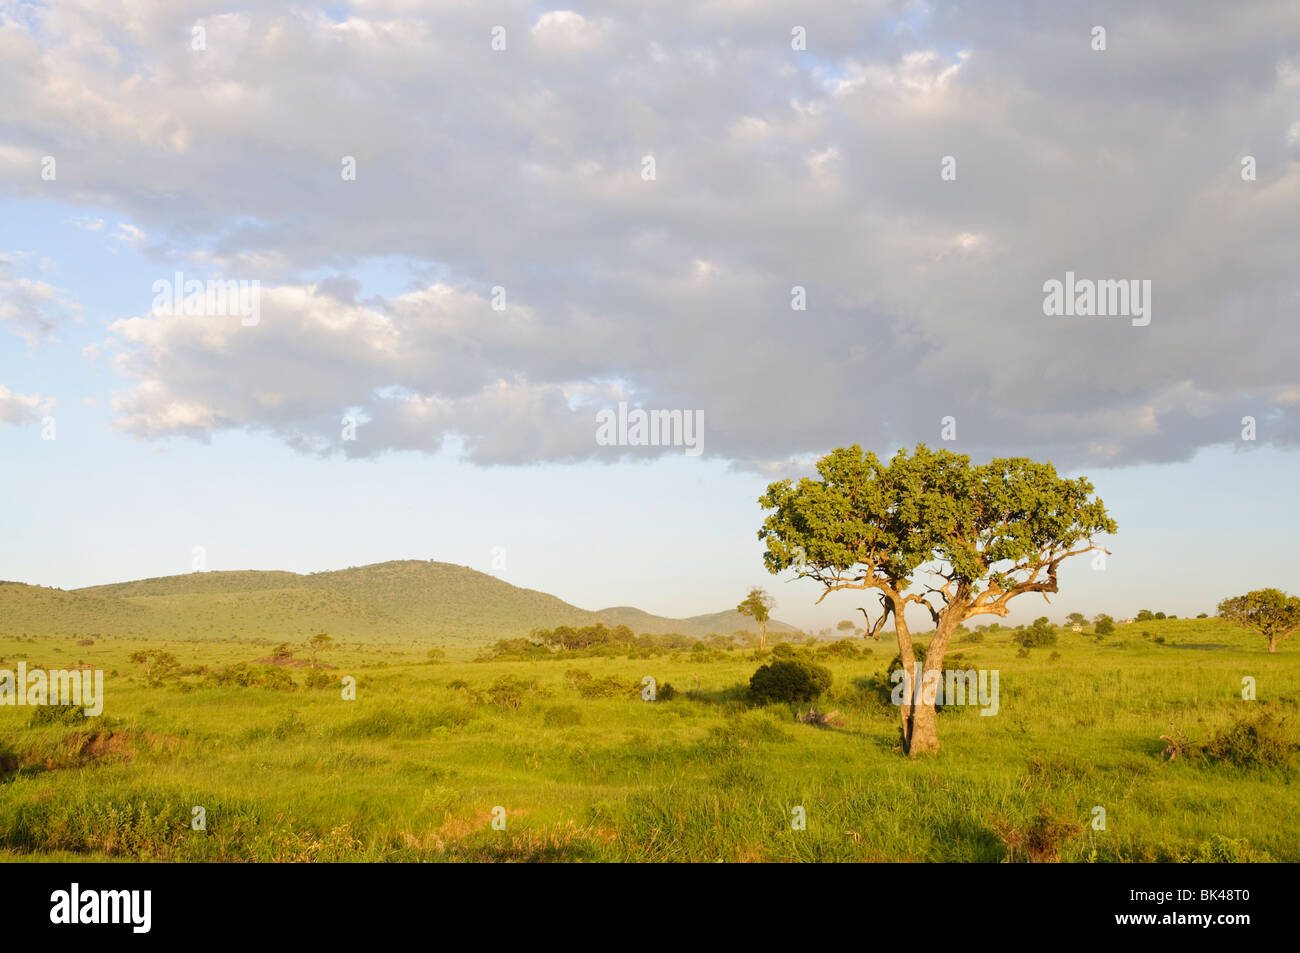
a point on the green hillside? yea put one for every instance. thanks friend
(408, 600)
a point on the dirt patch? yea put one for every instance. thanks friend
(81, 748)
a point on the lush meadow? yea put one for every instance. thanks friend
(415, 768)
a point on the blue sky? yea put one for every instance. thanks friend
(523, 170)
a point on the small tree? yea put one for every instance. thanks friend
(1076, 618)
(157, 664)
(847, 625)
(1105, 625)
(757, 606)
(318, 643)
(1271, 612)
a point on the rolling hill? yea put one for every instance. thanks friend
(408, 600)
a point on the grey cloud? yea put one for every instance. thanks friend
(775, 168)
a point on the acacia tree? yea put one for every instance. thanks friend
(317, 643)
(758, 605)
(1271, 612)
(982, 534)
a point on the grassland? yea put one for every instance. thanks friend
(414, 767)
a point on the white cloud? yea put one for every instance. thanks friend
(776, 168)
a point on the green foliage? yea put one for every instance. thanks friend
(1270, 612)
(926, 506)
(562, 716)
(1105, 625)
(789, 680)
(243, 675)
(588, 686)
(318, 678)
(58, 715)
(1041, 633)
(757, 605)
(1258, 739)
(509, 692)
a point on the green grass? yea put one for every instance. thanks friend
(413, 769)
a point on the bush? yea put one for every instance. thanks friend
(590, 687)
(1038, 634)
(1256, 740)
(789, 681)
(1105, 626)
(562, 716)
(316, 678)
(508, 692)
(665, 692)
(58, 715)
(840, 648)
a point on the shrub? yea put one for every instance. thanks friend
(508, 692)
(1253, 740)
(1022, 652)
(58, 715)
(1038, 634)
(590, 687)
(561, 716)
(840, 648)
(789, 681)
(1105, 625)
(665, 692)
(317, 678)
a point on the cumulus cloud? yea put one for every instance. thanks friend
(775, 168)
(18, 408)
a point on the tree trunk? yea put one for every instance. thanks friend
(762, 635)
(1272, 643)
(924, 738)
(908, 658)
(925, 733)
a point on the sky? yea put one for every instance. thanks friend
(627, 203)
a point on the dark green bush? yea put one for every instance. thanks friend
(58, 715)
(1039, 634)
(1255, 740)
(789, 680)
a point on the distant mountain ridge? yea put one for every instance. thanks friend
(391, 601)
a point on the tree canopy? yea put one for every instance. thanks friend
(1270, 612)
